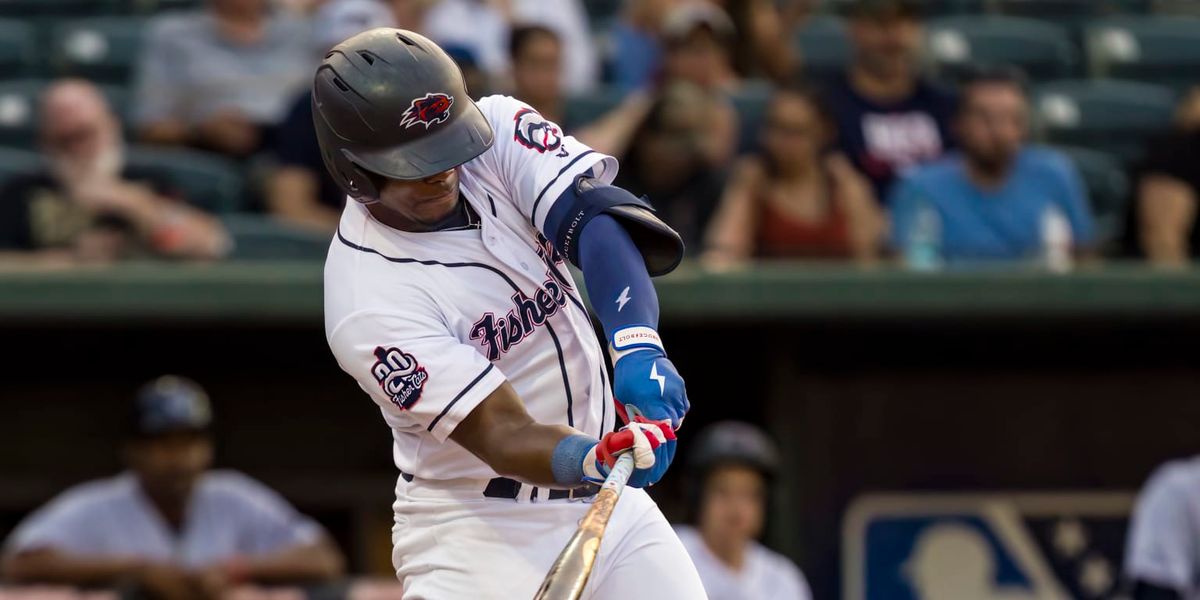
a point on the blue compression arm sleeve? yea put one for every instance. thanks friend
(616, 278)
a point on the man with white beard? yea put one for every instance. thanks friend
(86, 203)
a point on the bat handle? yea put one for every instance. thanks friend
(620, 473)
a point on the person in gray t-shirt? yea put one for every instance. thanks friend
(1162, 553)
(169, 525)
(220, 78)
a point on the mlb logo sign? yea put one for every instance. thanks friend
(985, 547)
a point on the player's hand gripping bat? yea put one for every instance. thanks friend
(570, 571)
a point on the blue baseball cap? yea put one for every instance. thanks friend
(170, 404)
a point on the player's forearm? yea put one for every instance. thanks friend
(501, 433)
(616, 278)
(529, 456)
(52, 566)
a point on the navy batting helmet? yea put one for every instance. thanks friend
(390, 103)
(733, 442)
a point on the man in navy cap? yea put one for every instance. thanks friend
(169, 526)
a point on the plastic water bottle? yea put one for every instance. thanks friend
(1056, 240)
(924, 250)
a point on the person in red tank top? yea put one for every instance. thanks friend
(792, 200)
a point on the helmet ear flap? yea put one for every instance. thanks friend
(365, 183)
(358, 183)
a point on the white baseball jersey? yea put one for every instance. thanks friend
(1164, 534)
(429, 324)
(229, 514)
(766, 574)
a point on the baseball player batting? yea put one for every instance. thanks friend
(448, 298)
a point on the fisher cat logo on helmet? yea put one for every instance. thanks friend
(428, 110)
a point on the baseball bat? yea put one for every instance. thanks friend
(571, 569)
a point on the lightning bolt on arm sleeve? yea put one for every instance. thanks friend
(616, 278)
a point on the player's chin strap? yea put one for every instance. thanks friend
(660, 246)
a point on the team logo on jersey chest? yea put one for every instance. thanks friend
(535, 132)
(400, 376)
(427, 110)
(499, 334)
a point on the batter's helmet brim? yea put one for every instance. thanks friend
(441, 150)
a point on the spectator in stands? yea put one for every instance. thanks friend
(88, 204)
(536, 55)
(169, 525)
(762, 46)
(220, 79)
(794, 200)
(674, 155)
(697, 38)
(483, 27)
(1169, 189)
(410, 14)
(299, 189)
(637, 42)
(732, 466)
(998, 198)
(888, 117)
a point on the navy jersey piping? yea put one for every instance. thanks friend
(477, 379)
(562, 363)
(538, 200)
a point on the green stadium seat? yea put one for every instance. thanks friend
(1043, 50)
(256, 237)
(18, 49)
(149, 7)
(18, 111)
(823, 46)
(57, 8)
(750, 102)
(17, 162)
(1157, 49)
(602, 10)
(584, 110)
(207, 180)
(1108, 186)
(1107, 115)
(98, 48)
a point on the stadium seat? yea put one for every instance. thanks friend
(15, 162)
(18, 49)
(256, 237)
(750, 102)
(1108, 115)
(206, 180)
(99, 48)
(823, 46)
(57, 8)
(1108, 187)
(1160, 49)
(149, 7)
(602, 10)
(1069, 12)
(1043, 50)
(583, 110)
(18, 111)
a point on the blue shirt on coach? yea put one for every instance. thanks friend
(1004, 223)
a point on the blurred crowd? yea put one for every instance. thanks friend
(909, 144)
